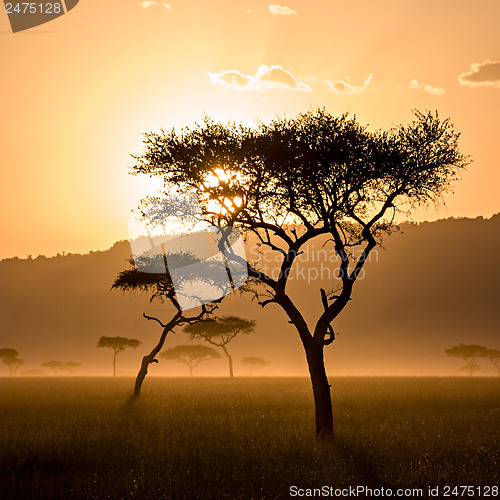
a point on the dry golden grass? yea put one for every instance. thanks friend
(247, 438)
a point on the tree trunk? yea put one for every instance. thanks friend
(230, 360)
(321, 390)
(190, 370)
(114, 365)
(150, 358)
(146, 361)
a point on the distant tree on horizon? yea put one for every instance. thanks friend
(118, 344)
(67, 367)
(10, 358)
(494, 356)
(254, 363)
(190, 355)
(468, 353)
(220, 332)
(55, 366)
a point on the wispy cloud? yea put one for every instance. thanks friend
(485, 73)
(150, 3)
(266, 78)
(278, 10)
(415, 85)
(345, 86)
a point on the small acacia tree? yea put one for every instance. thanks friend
(494, 356)
(190, 355)
(118, 344)
(10, 358)
(298, 180)
(55, 366)
(220, 331)
(69, 367)
(161, 289)
(469, 353)
(254, 363)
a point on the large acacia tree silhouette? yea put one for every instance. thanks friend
(295, 180)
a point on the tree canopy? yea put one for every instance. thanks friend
(10, 358)
(7, 353)
(494, 356)
(469, 353)
(60, 366)
(118, 344)
(220, 331)
(69, 366)
(190, 355)
(55, 366)
(254, 363)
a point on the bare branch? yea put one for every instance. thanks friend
(155, 319)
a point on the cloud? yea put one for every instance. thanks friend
(266, 78)
(345, 87)
(414, 85)
(486, 73)
(278, 10)
(230, 79)
(150, 3)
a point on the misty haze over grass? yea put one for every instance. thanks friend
(421, 295)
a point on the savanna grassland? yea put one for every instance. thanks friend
(82, 438)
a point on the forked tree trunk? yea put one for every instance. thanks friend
(114, 365)
(321, 390)
(230, 360)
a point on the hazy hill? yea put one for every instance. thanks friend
(434, 285)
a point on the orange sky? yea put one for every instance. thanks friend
(77, 93)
